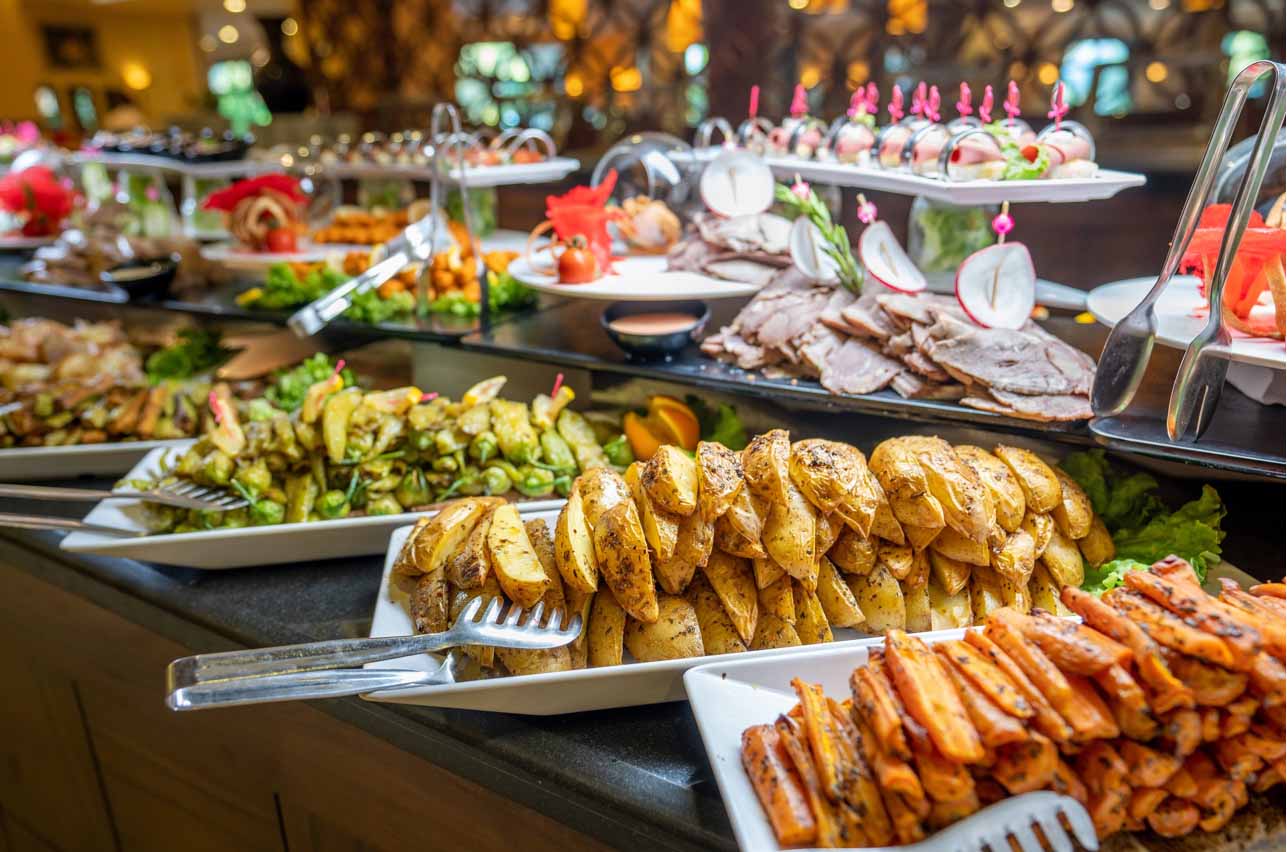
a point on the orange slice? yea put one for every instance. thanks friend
(643, 442)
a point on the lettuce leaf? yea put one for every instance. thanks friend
(1017, 166)
(1109, 575)
(1192, 532)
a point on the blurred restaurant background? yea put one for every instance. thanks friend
(1146, 76)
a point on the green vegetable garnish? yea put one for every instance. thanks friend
(289, 386)
(196, 351)
(951, 234)
(1017, 166)
(371, 307)
(835, 239)
(720, 426)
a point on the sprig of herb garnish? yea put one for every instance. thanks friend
(799, 200)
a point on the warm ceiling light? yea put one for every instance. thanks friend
(289, 27)
(626, 79)
(136, 76)
(1061, 6)
(1156, 72)
(1048, 74)
(573, 86)
(207, 43)
(235, 6)
(228, 34)
(798, 4)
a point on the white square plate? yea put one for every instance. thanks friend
(27, 464)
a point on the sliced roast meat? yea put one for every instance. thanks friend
(762, 232)
(1055, 407)
(923, 366)
(831, 317)
(691, 255)
(797, 313)
(1006, 361)
(818, 346)
(898, 345)
(856, 367)
(867, 317)
(742, 271)
(911, 386)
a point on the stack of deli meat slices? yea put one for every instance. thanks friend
(775, 546)
(924, 346)
(1163, 711)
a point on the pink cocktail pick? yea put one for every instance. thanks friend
(985, 106)
(964, 105)
(895, 104)
(799, 102)
(1058, 107)
(754, 107)
(1012, 100)
(931, 105)
(918, 99)
(866, 210)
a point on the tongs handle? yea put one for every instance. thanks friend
(300, 686)
(45, 522)
(52, 492)
(312, 318)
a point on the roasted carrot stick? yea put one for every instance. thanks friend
(777, 785)
(1117, 682)
(942, 779)
(1268, 778)
(1168, 691)
(1147, 767)
(1173, 818)
(1144, 800)
(1182, 784)
(1026, 766)
(829, 830)
(1066, 783)
(1090, 717)
(1169, 630)
(821, 734)
(907, 825)
(985, 675)
(1266, 613)
(1183, 728)
(872, 700)
(995, 726)
(1045, 719)
(858, 786)
(1270, 590)
(1213, 686)
(929, 697)
(1177, 569)
(1105, 774)
(1220, 806)
(943, 814)
(1071, 646)
(1210, 724)
(1237, 762)
(892, 773)
(1266, 741)
(1198, 609)
(1237, 716)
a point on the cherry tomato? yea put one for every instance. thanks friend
(577, 264)
(281, 241)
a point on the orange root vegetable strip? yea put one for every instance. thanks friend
(942, 779)
(929, 697)
(1270, 776)
(891, 772)
(873, 702)
(1213, 686)
(1210, 724)
(987, 677)
(1182, 784)
(1071, 646)
(1237, 717)
(1045, 719)
(1027, 766)
(1270, 590)
(1097, 721)
(820, 730)
(1144, 800)
(1117, 682)
(1206, 775)
(1266, 741)
(859, 787)
(1184, 729)
(1177, 569)
(1238, 763)
(1174, 818)
(943, 814)
(907, 825)
(1105, 774)
(1267, 617)
(1147, 767)
(1066, 783)
(778, 785)
(1199, 610)
(1221, 806)
(1169, 630)
(995, 726)
(1267, 605)
(827, 821)
(1168, 691)
(1136, 724)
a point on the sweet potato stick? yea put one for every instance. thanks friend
(1239, 763)
(1213, 686)
(778, 785)
(892, 773)
(1147, 767)
(943, 814)
(1118, 684)
(1210, 724)
(1071, 646)
(995, 726)
(1169, 630)
(1265, 741)
(907, 825)
(1105, 775)
(942, 779)
(829, 834)
(1026, 766)
(1144, 800)
(985, 675)
(1177, 569)
(1087, 704)
(1268, 617)
(1268, 679)
(1270, 590)
(1169, 692)
(872, 699)
(1045, 718)
(1183, 728)
(929, 697)
(859, 787)
(1066, 783)
(1174, 818)
(1198, 609)
(1269, 777)
(820, 729)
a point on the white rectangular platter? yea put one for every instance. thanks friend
(627, 685)
(245, 546)
(28, 464)
(555, 168)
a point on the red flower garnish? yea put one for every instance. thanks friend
(1246, 280)
(582, 211)
(226, 199)
(38, 193)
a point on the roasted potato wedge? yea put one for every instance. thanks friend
(538, 533)
(953, 545)
(766, 572)
(854, 554)
(1015, 558)
(1073, 513)
(405, 564)
(985, 593)
(886, 527)
(1097, 546)
(622, 554)
(997, 478)
(693, 548)
(773, 632)
(903, 479)
(670, 478)
(579, 603)
(719, 479)
(469, 566)
(829, 528)
(746, 515)
(484, 655)
(791, 538)
(513, 559)
(602, 488)
(948, 609)
(1041, 491)
(952, 575)
(810, 619)
(535, 661)
(606, 631)
(837, 599)
(719, 635)
(766, 465)
(778, 599)
(1014, 594)
(734, 584)
(675, 634)
(880, 597)
(661, 528)
(826, 472)
(523, 661)
(1063, 559)
(430, 610)
(881, 520)
(729, 540)
(1045, 592)
(918, 611)
(920, 538)
(919, 575)
(448, 529)
(574, 545)
(896, 560)
(1040, 528)
(967, 505)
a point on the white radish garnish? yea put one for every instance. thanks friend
(997, 286)
(879, 251)
(808, 254)
(737, 183)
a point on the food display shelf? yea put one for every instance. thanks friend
(225, 169)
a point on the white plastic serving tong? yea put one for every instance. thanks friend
(1015, 818)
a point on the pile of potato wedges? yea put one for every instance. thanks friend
(719, 551)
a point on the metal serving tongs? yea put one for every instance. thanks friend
(445, 142)
(184, 495)
(1130, 344)
(321, 669)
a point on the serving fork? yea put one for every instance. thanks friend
(178, 493)
(322, 669)
(1014, 819)
(1126, 353)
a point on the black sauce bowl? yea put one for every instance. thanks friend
(655, 347)
(143, 279)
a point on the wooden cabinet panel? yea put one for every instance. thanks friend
(16, 837)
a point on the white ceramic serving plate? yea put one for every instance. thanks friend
(28, 464)
(1105, 184)
(476, 177)
(637, 279)
(17, 242)
(245, 546)
(628, 685)
(235, 256)
(1176, 325)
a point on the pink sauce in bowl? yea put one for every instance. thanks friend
(662, 322)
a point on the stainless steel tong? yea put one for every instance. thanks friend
(184, 495)
(319, 669)
(1126, 352)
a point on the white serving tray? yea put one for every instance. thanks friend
(628, 685)
(245, 546)
(476, 177)
(235, 256)
(637, 279)
(1105, 184)
(28, 464)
